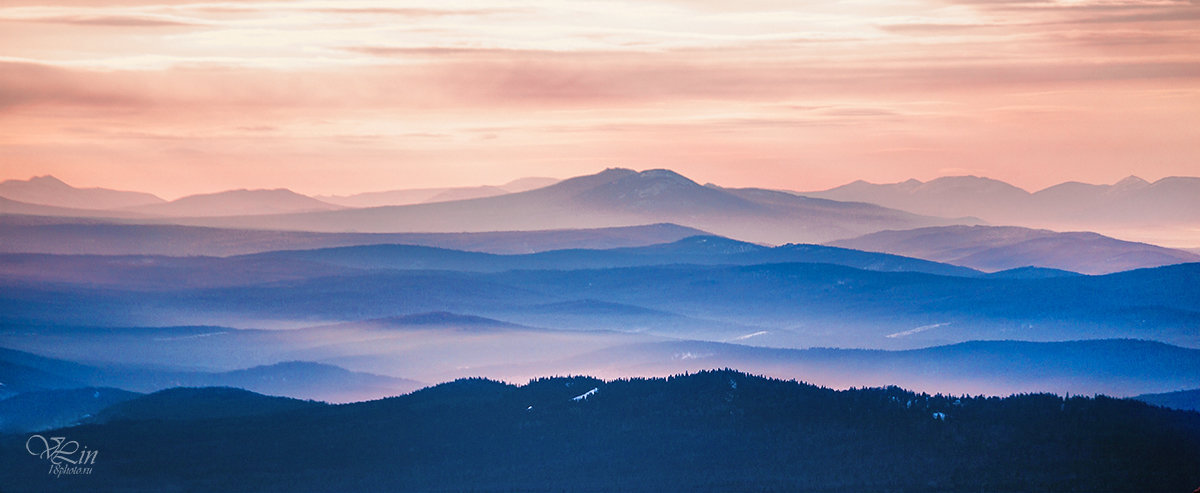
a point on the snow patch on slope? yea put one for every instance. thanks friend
(585, 395)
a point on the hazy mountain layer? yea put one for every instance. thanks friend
(1170, 199)
(698, 250)
(9, 207)
(798, 304)
(1188, 400)
(30, 234)
(236, 203)
(46, 409)
(615, 197)
(50, 191)
(304, 380)
(444, 194)
(1165, 211)
(994, 248)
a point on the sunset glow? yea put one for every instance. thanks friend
(179, 97)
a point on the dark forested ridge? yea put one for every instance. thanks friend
(711, 431)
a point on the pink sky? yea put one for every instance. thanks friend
(177, 97)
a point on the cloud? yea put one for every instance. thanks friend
(1172, 14)
(513, 79)
(31, 83)
(417, 12)
(93, 4)
(107, 20)
(941, 29)
(452, 51)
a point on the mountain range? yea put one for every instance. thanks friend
(996, 248)
(155, 295)
(445, 194)
(785, 301)
(236, 202)
(24, 372)
(614, 197)
(1132, 208)
(188, 341)
(86, 236)
(1188, 400)
(50, 191)
(1127, 208)
(695, 250)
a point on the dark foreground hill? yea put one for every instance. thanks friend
(712, 431)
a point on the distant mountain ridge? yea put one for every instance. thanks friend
(237, 202)
(614, 197)
(1130, 202)
(799, 304)
(50, 191)
(10, 207)
(617, 197)
(299, 379)
(998, 248)
(443, 194)
(77, 236)
(1187, 400)
(701, 250)
(950, 196)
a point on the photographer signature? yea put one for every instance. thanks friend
(59, 451)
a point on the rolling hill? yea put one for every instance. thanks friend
(196, 403)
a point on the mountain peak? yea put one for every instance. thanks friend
(659, 192)
(617, 171)
(49, 180)
(1131, 181)
(972, 182)
(664, 174)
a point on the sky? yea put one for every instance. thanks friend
(178, 97)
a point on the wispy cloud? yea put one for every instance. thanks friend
(106, 20)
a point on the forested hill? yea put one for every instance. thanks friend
(712, 431)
